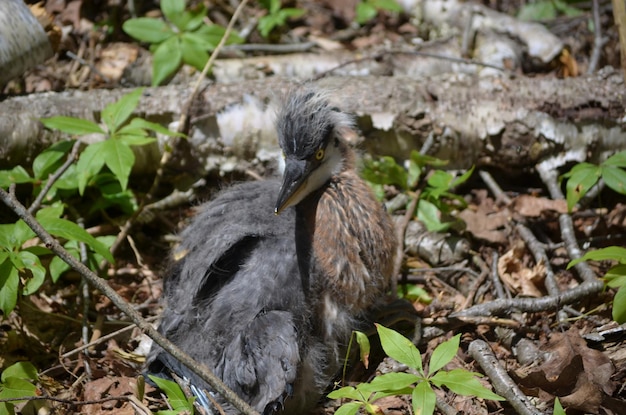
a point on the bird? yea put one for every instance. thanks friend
(271, 277)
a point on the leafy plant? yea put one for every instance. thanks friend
(175, 397)
(21, 270)
(276, 16)
(584, 176)
(16, 382)
(420, 385)
(182, 37)
(436, 201)
(614, 277)
(547, 10)
(366, 10)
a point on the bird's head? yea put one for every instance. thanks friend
(310, 134)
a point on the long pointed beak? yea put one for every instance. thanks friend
(294, 180)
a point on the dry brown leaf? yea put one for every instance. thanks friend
(527, 205)
(519, 278)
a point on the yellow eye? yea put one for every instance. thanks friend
(320, 154)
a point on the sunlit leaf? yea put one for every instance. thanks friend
(350, 408)
(16, 175)
(399, 347)
(89, 163)
(20, 370)
(463, 382)
(364, 347)
(173, 10)
(424, 399)
(345, 392)
(166, 60)
(115, 114)
(71, 125)
(443, 354)
(175, 395)
(393, 381)
(603, 254)
(9, 282)
(615, 178)
(32, 264)
(119, 158)
(619, 305)
(17, 388)
(148, 30)
(47, 159)
(365, 12)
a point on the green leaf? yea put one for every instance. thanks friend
(399, 347)
(158, 128)
(9, 282)
(63, 228)
(364, 347)
(414, 292)
(539, 10)
(46, 161)
(17, 388)
(194, 19)
(389, 5)
(16, 175)
(57, 266)
(617, 160)
(350, 408)
(462, 178)
(119, 158)
(21, 233)
(463, 382)
(424, 399)
(52, 211)
(603, 254)
(558, 409)
(444, 353)
(175, 395)
(33, 264)
(115, 114)
(134, 140)
(290, 12)
(615, 178)
(166, 60)
(173, 10)
(71, 125)
(393, 381)
(89, 163)
(423, 160)
(365, 12)
(148, 30)
(619, 305)
(580, 179)
(20, 370)
(385, 171)
(348, 392)
(193, 53)
(616, 276)
(428, 213)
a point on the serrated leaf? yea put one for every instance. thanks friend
(16, 175)
(350, 408)
(20, 370)
(9, 282)
(619, 305)
(33, 264)
(399, 347)
(117, 113)
(603, 254)
(175, 395)
(424, 399)
(364, 347)
(63, 228)
(71, 125)
(463, 382)
(615, 178)
(119, 158)
(148, 30)
(47, 159)
(166, 60)
(393, 381)
(443, 354)
(17, 388)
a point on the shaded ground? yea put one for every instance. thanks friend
(571, 355)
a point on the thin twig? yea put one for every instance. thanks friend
(124, 398)
(501, 381)
(495, 277)
(100, 284)
(598, 40)
(71, 158)
(494, 187)
(540, 255)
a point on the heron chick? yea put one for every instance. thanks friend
(276, 275)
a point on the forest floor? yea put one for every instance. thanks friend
(576, 352)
